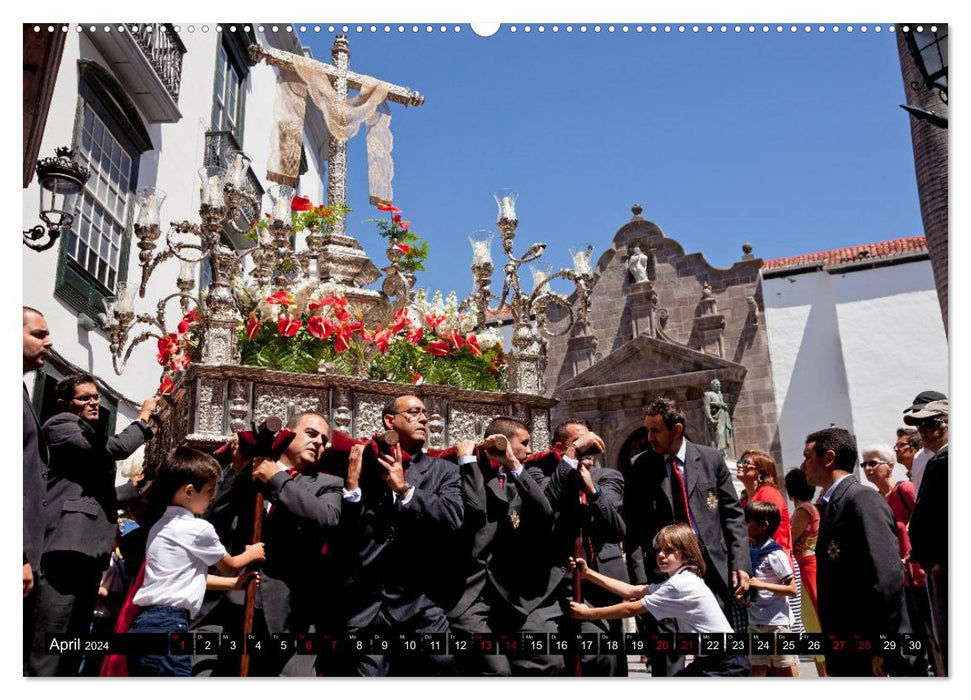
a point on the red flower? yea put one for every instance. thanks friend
(252, 325)
(180, 363)
(342, 340)
(402, 247)
(382, 339)
(324, 211)
(434, 320)
(454, 338)
(167, 346)
(299, 203)
(288, 326)
(414, 335)
(167, 385)
(404, 225)
(388, 207)
(439, 348)
(320, 327)
(401, 320)
(417, 379)
(283, 297)
(473, 344)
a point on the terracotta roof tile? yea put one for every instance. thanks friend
(840, 256)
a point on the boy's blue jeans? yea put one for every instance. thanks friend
(164, 619)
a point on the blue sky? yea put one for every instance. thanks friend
(793, 142)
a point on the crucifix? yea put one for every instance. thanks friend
(341, 79)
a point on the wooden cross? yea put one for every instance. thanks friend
(342, 78)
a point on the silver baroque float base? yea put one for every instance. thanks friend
(213, 401)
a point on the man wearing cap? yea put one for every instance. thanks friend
(928, 524)
(922, 456)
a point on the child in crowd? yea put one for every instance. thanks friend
(684, 597)
(181, 548)
(770, 586)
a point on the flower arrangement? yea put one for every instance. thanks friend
(398, 234)
(175, 350)
(424, 343)
(304, 216)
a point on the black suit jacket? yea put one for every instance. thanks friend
(35, 476)
(393, 554)
(296, 577)
(928, 523)
(859, 577)
(714, 505)
(497, 529)
(82, 504)
(599, 520)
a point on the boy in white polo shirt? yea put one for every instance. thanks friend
(180, 550)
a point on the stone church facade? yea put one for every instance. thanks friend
(669, 335)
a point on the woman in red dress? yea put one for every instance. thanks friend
(756, 471)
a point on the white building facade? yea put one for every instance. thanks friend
(854, 335)
(145, 107)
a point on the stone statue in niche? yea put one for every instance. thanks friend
(718, 422)
(637, 265)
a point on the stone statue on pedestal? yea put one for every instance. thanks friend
(718, 422)
(637, 265)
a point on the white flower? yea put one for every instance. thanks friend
(489, 337)
(466, 323)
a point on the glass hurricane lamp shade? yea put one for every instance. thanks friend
(506, 200)
(61, 182)
(281, 196)
(481, 247)
(187, 271)
(148, 201)
(582, 260)
(124, 302)
(237, 165)
(212, 179)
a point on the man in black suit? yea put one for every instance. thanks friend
(398, 510)
(858, 576)
(928, 523)
(678, 481)
(302, 511)
(505, 513)
(587, 500)
(82, 520)
(37, 344)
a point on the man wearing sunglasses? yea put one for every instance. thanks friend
(928, 524)
(925, 453)
(302, 509)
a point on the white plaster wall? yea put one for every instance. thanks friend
(842, 348)
(172, 166)
(894, 345)
(806, 353)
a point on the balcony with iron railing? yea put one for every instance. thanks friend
(164, 50)
(147, 60)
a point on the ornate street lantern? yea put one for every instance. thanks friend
(61, 182)
(928, 46)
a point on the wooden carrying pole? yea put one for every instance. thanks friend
(577, 590)
(250, 607)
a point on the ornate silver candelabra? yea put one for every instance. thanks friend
(530, 322)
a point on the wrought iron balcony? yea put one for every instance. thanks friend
(164, 50)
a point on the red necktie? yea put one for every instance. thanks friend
(502, 480)
(679, 495)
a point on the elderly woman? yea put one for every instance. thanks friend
(877, 465)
